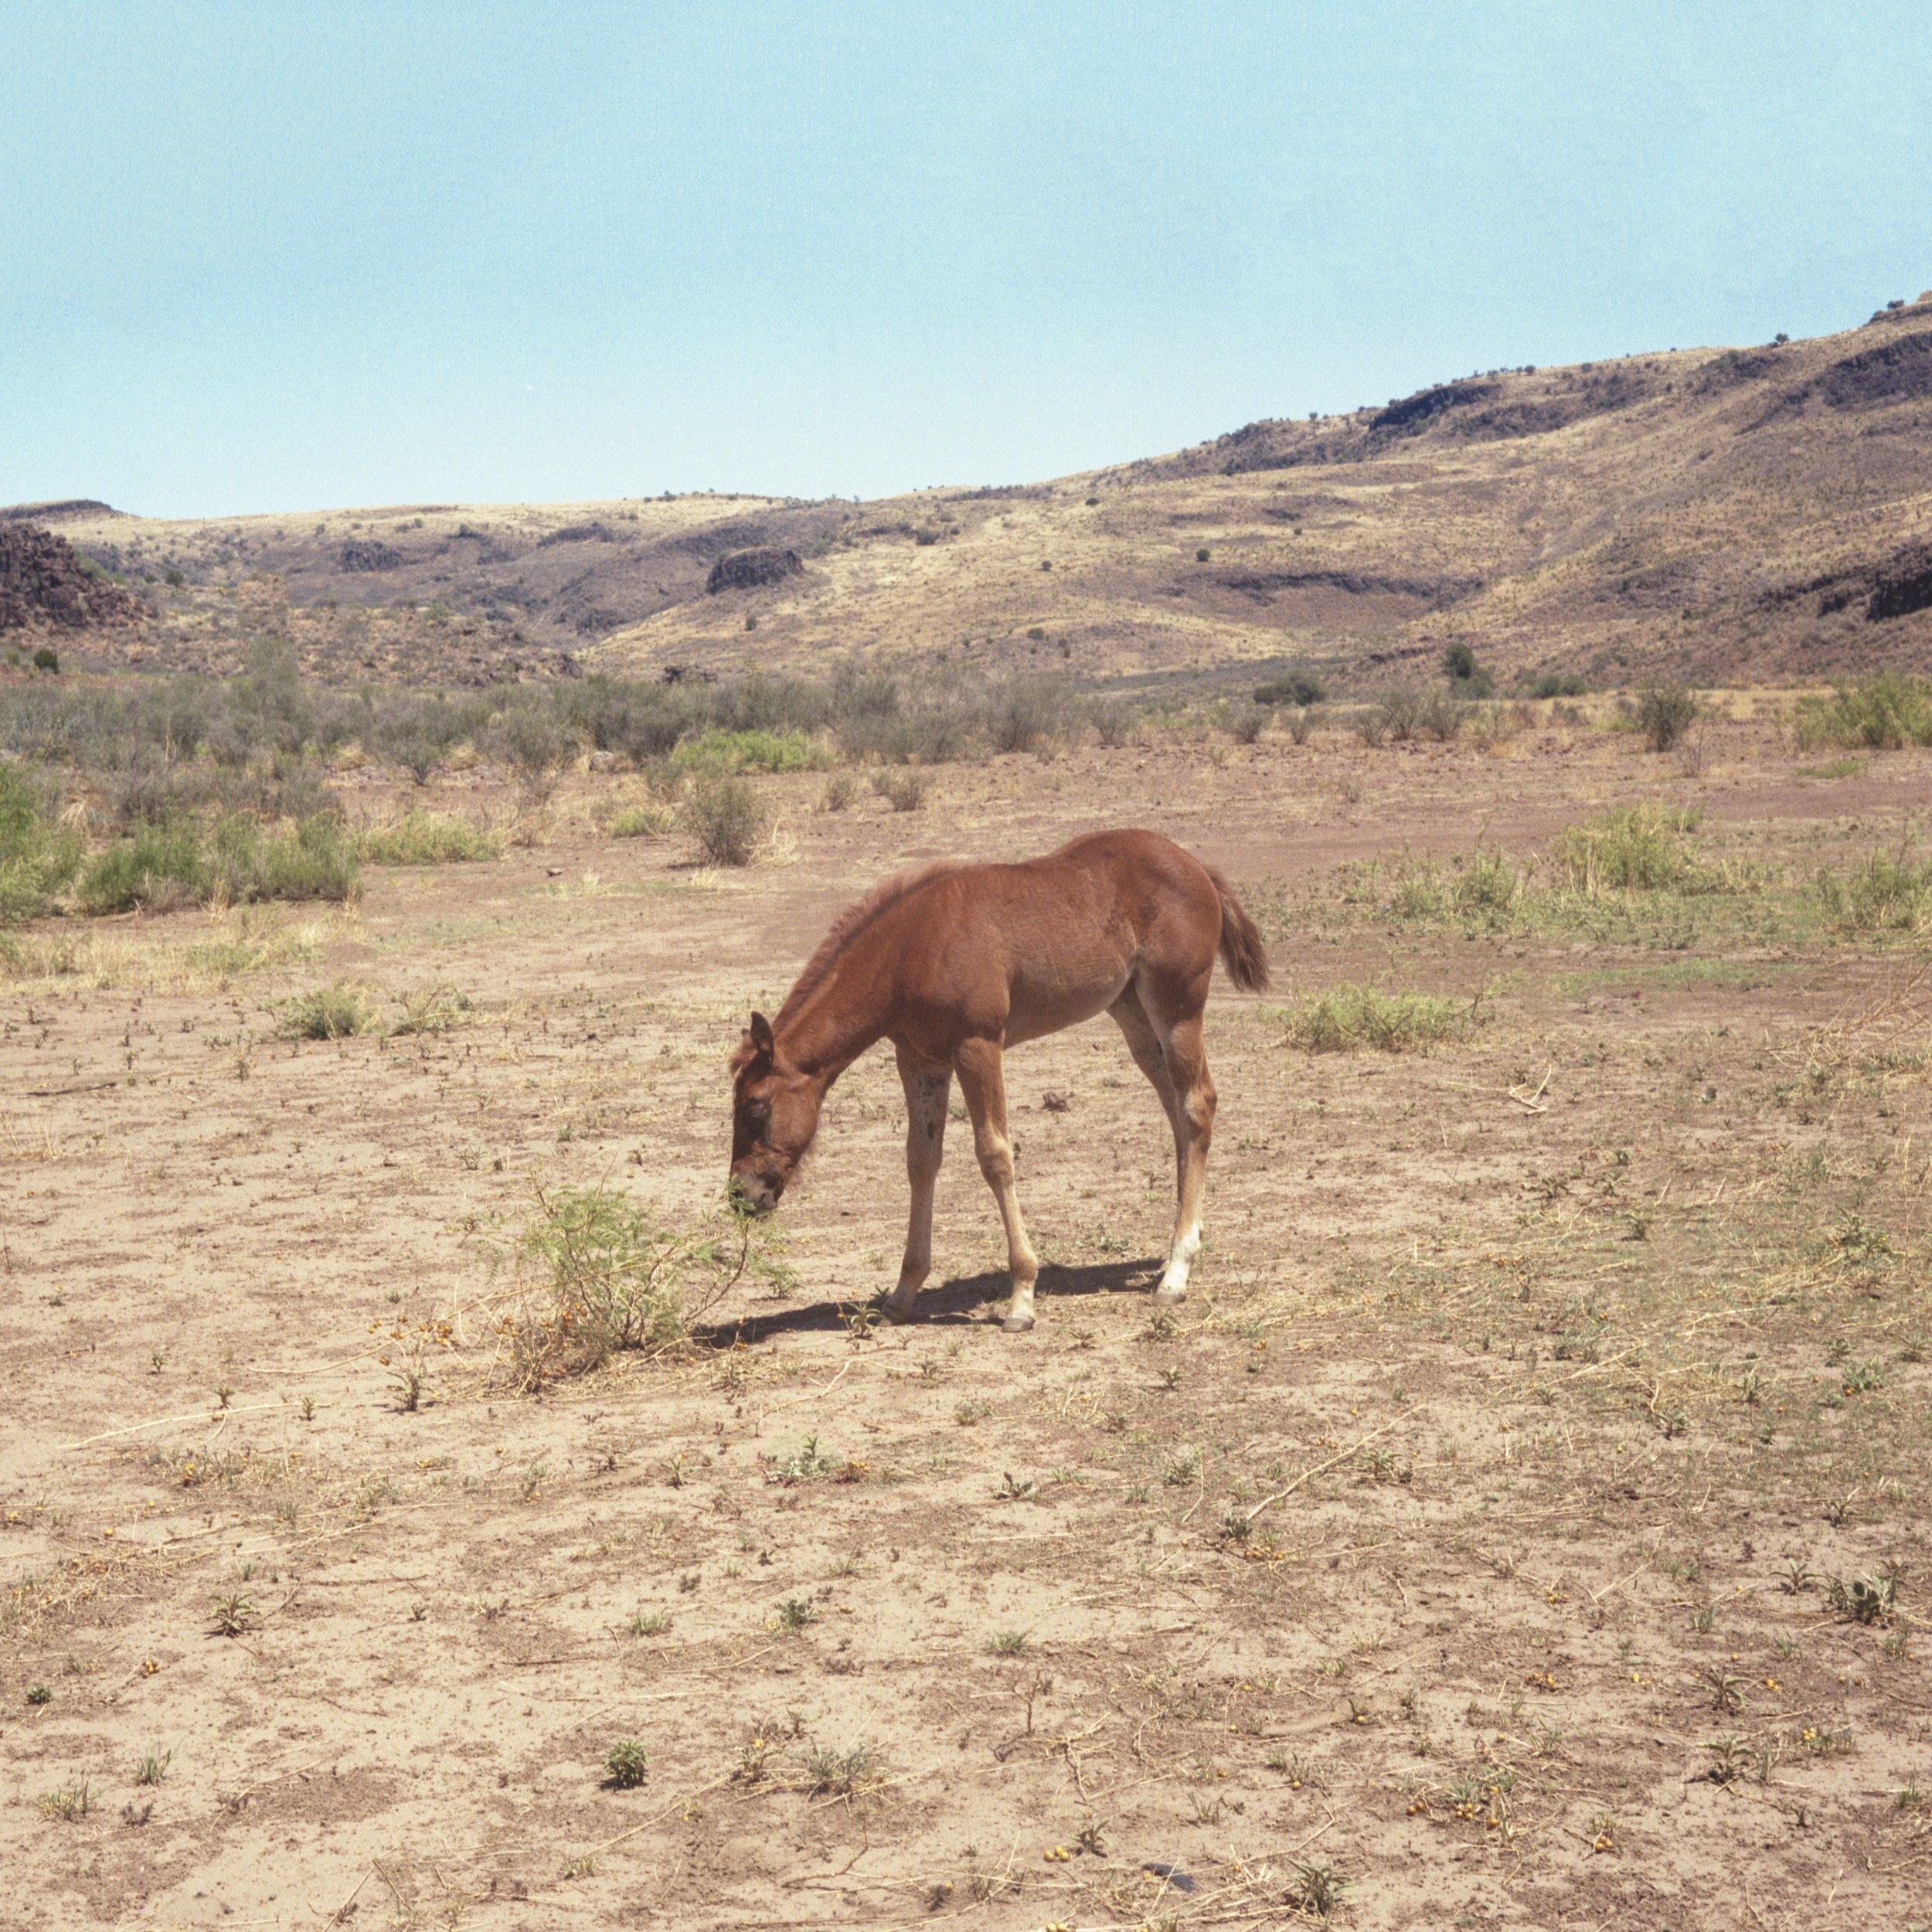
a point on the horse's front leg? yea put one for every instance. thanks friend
(928, 1088)
(983, 1082)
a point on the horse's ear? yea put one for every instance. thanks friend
(761, 1036)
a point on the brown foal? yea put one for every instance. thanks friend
(954, 964)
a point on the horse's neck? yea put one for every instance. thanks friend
(835, 1022)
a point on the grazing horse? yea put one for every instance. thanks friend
(955, 963)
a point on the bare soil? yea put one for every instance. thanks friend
(1465, 1551)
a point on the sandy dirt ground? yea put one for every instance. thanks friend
(1523, 1523)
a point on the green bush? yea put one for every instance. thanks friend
(1888, 711)
(1348, 1018)
(1555, 684)
(427, 839)
(177, 861)
(726, 817)
(1301, 687)
(47, 658)
(754, 751)
(1634, 849)
(37, 858)
(1890, 892)
(1467, 677)
(609, 1276)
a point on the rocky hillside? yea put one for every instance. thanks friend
(1728, 514)
(45, 586)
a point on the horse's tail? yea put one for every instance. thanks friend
(1241, 952)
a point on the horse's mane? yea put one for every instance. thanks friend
(849, 924)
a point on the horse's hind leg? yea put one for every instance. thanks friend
(983, 1082)
(927, 1090)
(1191, 1087)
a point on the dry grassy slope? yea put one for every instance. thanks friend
(1729, 515)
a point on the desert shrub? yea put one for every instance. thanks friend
(178, 862)
(1440, 716)
(1555, 684)
(1371, 725)
(163, 866)
(327, 1012)
(1633, 849)
(904, 790)
(604, 1274)
(47, 658)
(427, 839)
(1025, 712)
(1467, 677)
(1348, 1018)
(38, 857)
(1665, 712)
(535, 746)
(1242, 723)
(724, 813)
(1890, 892)
(838, 792)
(419, 733)
(1885, 713)
(1302, 723)
(1113, 722)
(437, 1008)
(1301, 687)
(759, 749)
(641, 822)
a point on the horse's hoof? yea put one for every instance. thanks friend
(895, 1314)
(1166, 1298)
(1017, 1324)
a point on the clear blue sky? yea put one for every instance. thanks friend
(274, 258)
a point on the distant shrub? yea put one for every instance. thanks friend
(47, 658)
(1665, 712)
(1890, 892)
(725, 814)
(903, 790)
(1348, 1018)
(757, 750)
(1302, 724)
(1634, 849)
(1242, 723)
(427, 839)
(1555, 684)
(1467, 677)
(37, 857)
(535, 746)
(1408, 714)
(178, 862)
(328, 1012)
(1113, 722)
(838, 792)
(1293, 687)
(1887, 711)
(1025, 712)
(641, 822)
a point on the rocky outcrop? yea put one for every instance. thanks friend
(44, 585)
(748, 570)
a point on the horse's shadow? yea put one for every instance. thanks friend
(950, 1304)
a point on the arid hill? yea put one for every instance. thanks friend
(1731, 514)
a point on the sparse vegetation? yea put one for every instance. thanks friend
(1350, 1019)
(724, 813)
(1665, 712)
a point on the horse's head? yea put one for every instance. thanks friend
(774, 1113)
